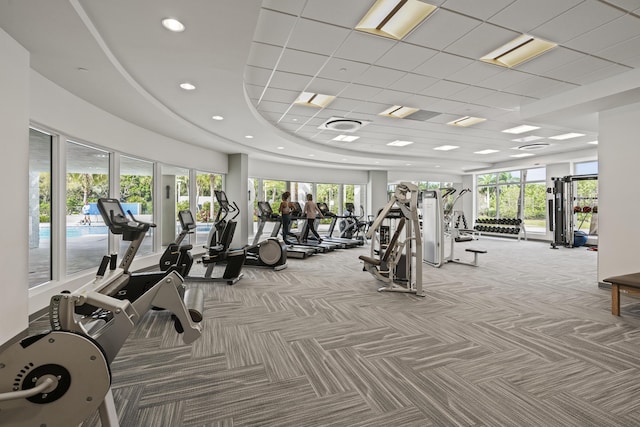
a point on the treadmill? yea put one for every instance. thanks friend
(266, 214)
(325, 245)
(349, 243)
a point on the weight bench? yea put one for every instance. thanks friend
(629, 283)
(475, 252)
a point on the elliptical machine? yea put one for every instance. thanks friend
(178, 256)
(59, 378)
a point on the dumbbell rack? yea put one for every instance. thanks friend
(501, 226)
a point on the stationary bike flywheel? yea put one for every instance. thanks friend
(76, 368)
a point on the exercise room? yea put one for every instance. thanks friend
(320, 213)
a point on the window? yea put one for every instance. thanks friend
(87, 180)
(535, 200)
(40, 145)
(178, 179)
(206, 184)
(586, 168)
(136, 196)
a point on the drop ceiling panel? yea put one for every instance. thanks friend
(263, 55)
(423, 102)
(555, 58)
(284, 80)
(363, 47)
(391, 97)
(481, 40)
(342, 69)
(273, 107)
(538, 87)
(628, 5)
(504, 79)
(405, 57)
(503, 100)
(616, 31)
(295, 61)
(623, 52)
(359, 92)
(339, 12)
(442, 65)
(273, 27)
(474, 73)
(306, 37)
(480, 9)
(441, 28)
(256, 76)
(378, 76)
(326, 86)
(573, 70)
(601, 74)
(280, 95)
(579, 20)
(413, 83)
(443, 89)
(471, 94)
(293, 7)
(525, 15)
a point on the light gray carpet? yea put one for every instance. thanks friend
(525, 339)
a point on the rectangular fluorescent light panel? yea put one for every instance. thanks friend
(346, 138)
(521, 129)
(529, 138)
(446, 147)
(517, 51)
(566, 136)
(314, 99)
(394, 18)
(398, 143)
(521, 155)
(466, 121)
(593, 142)
(486, 152)
(398, 111)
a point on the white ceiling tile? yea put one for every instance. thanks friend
(326, 87)
(481, 40)
(441, 28)
(602, 73)
(342, 69)
(538, 87)
(504, 79)
(262, 55)
(256, 76)
(413, 83)
(295, 61)
(338, 12)
(253, 92)
(480, 9)
(502, 100)
(554, 58)
(281, 79)
(443, 89)
(525, 15)
(613, 32)
(289, 6)
(378, 76)
(623, 52)
(471, 93)
(573, 70)
(627, 5)
(405, 57)
(359, 92)
(273, 107)
(475, 73)
(306, 37)
(363, 47)
(423, 102)
(345, 104)
(579, 20)
(442, 65)
(273, 27)
(391, 97)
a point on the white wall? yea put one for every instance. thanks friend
(14, 172)
(618, 200)
(292, 172)
(58, 109)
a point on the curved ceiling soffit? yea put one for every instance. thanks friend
(232, 144)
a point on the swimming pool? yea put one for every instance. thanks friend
(76, 231)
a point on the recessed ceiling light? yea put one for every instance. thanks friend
(446, 147)
(398, 112)
(593, 142)
(217, 118)
(466, 121)
(187, 86)
(172, 24)
(408, 164)
(486, 152)
(521, 129)
(377, 163)
(249, 136)
(521, 155)
(280, 148)
(566, 136)
(345, 138)
(529, 138)
(312, 155)
(314, 99)
(436, 166)
(394, 19)
(398, 143)
(517, 51)
(344, 160)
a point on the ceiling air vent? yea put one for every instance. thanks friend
(340, 124)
